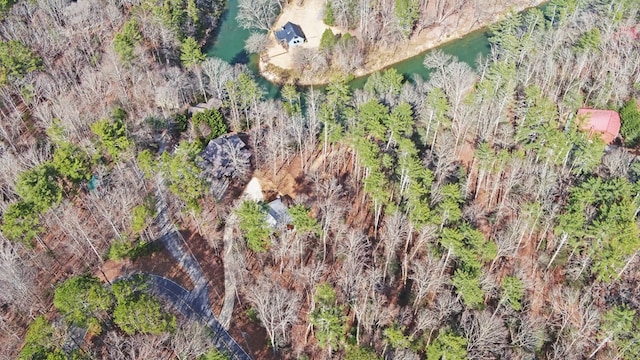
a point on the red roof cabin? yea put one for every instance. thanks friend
(606, 123)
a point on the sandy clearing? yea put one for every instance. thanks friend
(253, 191)
(309, 17)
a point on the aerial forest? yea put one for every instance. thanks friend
(465, 215)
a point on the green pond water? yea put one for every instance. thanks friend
(229, 42)
(228, 45)
(466, 49)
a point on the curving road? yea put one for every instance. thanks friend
(193, 304)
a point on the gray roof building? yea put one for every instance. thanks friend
(223, 155)
(277, 215)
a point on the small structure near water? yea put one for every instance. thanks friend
(605, 123)
(290, 35)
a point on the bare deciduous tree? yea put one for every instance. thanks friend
(277, 308)
(259, 14)
(353, 248)
(119, 346)
(309, 60)
(17, 278)
(486, 334)
(616, 162)
(425, 274)
(191, 340)
(394, 231)
(331, 207)
(349, 55)
(576, 320)
(528, 335)
(219, 73)
(256, 43)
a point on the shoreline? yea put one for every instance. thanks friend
(380, 59)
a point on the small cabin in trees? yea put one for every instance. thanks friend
(605, 123)
(290, 35)
(277, 214)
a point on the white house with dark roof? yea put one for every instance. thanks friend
(290, 35)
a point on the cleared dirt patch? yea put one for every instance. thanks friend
(253, 191)
(160, 262)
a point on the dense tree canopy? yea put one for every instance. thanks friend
(137, 311)
(82, 299)
(630, 117)
(112, 137)
(39, 186)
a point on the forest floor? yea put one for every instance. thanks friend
(310, 18)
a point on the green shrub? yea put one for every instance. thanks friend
(141, 214)
(126, 39)
(208, 124)
(253, 225)
(112, 136)
(120, 250)
(328, 40)
(252, 314)
(21, 222)
(16, 59)
(123, 249)
(72, 162)
(630, 128)
(5, 5)
(39, 186)
(329, 17)
(38, 343)
(214, 354)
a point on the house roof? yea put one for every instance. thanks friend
(277, 213)
(604, 122)
(217, 156)
(289, 32)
